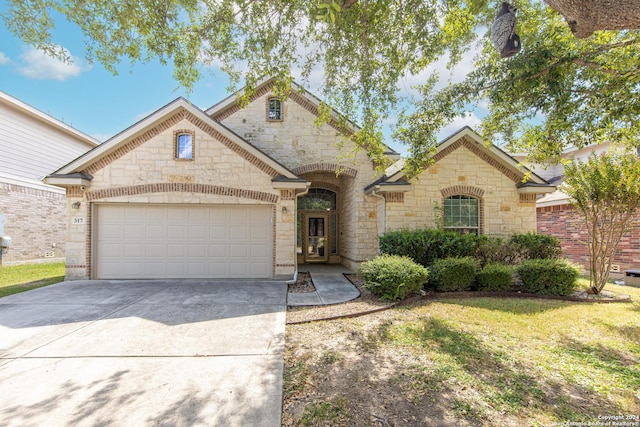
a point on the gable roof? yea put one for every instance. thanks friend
(301, 96)
(78, 171)
(468, 138)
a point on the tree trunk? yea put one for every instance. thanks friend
(586, 16)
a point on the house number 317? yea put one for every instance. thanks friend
(78, 220)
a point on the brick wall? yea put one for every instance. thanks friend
(35, 219)
(565, 223)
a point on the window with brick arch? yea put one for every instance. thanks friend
(184, 146)
(462, 214)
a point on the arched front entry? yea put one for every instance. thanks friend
(317, 226)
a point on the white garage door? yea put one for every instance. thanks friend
(163, 241)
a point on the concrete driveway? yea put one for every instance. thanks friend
(141, 353)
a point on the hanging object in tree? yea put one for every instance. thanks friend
(503, 33)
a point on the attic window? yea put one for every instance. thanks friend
(183, 145)
(274, 109)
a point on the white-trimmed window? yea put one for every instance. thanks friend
(274, 109)
(184, 146)
(462, 214)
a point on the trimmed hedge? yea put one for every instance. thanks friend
(538, 246)
(453, 274)
(393, 277)
(548, 276)
(495, 277)
(427, 245)
(494, 250)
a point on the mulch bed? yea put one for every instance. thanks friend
(368, 303)
(303, 284)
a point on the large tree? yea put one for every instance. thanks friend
(605, 191)
(364, 48)
(557, 92)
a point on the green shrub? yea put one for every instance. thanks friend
(393, 277)
(538, 246)
(427, 245)
(495, 277)
(453, 274)
(548, 276)
(497, 250)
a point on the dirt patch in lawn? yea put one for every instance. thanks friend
(419, 364)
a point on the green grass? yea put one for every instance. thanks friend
(519, 355)
(482, 361)
(20, 278)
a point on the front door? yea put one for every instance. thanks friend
(316, 247)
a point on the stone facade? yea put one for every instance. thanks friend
(320, 154)
(462, 171)
(241, 157)
(145, 171)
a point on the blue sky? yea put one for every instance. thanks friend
(94, 101)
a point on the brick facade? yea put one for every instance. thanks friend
(35, 219)
(563, 222)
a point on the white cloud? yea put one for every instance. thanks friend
(469, 119)
(39, 65)
(4, 59)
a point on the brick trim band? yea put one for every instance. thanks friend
(325, 185)
(181, 188)
(326, 167)
(466, 190)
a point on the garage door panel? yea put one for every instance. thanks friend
(155, 241)
(239, 251)
(130, 250)
(198, 232)
(154, 251)
(239, 232)
(176, 250)
(197, 250)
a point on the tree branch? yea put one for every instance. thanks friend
(583, 62)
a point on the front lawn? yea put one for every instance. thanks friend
(471, 361)
(20, 278)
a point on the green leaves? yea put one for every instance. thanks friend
(606, 192)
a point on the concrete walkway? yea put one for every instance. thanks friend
(331, 286)
(143, 353)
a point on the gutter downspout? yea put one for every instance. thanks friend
(374, 193)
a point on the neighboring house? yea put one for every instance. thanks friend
(33, 214)
(253, 192)
(557, 217)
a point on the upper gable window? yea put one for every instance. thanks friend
(274, 109)
(184, 144)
